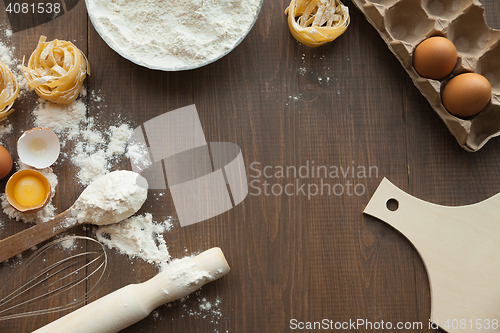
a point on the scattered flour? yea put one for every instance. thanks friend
(6, 55)
(68, 244)
(95, 150)
(210, 309)
(192, 32)
(201, 306)
(14, 64)
(138, 153)
(5, 128)
(94, 155)
(64, 120)
(118, 139)
(91, 163)
(42, 215)
(138, 237)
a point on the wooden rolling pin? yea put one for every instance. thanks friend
(134, 302)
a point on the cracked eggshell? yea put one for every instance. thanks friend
(38, 147)
(10, 189)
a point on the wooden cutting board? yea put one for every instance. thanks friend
(460, 248)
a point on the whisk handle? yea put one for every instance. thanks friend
(30, 237)
(128, 305)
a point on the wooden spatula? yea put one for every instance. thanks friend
(460, 247)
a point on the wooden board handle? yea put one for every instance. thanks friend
(30, 237)
(394, 206)
(134, 302)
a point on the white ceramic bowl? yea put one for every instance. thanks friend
(139, 62)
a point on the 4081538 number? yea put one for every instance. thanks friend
(31, 8)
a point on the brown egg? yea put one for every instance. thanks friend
(435, 58)
(466, 94)
(5, 162)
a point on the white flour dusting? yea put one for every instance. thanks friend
(95, 150)
(118, 139)
(200, 306)
(94, 155)
(173, 32)
(138, 237)
(14, 64)
(64, 120)
(185, 273)
(6, 55)
(5, 128)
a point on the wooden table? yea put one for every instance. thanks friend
(349, 103)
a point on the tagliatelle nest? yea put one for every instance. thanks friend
(9, 89)
(56, 70)
(317, 22)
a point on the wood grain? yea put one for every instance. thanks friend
(348, 103)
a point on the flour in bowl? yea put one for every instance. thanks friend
(173, 33)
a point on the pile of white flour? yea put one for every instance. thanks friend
(138, 237)
(111, 198)
(173, 33)
(65, 120)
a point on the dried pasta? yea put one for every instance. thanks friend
(9, 89)
(56, 70)
(316, 22)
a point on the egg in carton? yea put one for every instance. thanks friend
(404, 24)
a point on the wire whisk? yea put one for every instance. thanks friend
(58, 286)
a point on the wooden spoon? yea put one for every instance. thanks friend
(106, 186)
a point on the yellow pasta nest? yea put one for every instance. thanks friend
(317, 22)
(9, 89)
(56, 70)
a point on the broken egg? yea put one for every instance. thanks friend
(28, 191)
(38, 147)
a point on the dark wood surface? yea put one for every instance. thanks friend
(347, 103)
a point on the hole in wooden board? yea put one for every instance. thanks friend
(392, 205)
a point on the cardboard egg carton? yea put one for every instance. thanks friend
(403, 24)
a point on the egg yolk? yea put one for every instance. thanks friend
(29, 191)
